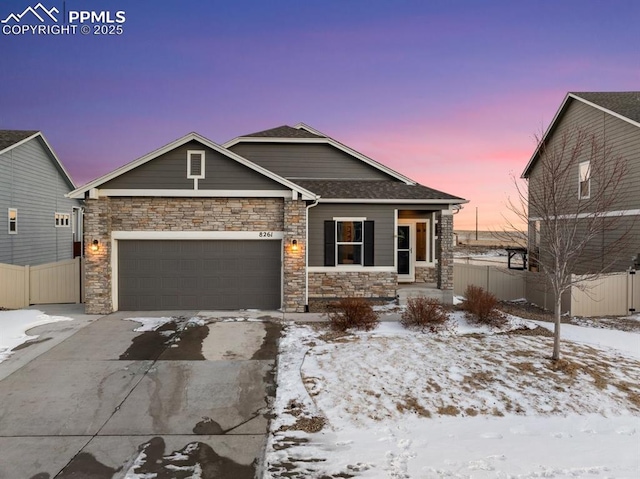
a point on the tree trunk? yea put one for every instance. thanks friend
(556, 332)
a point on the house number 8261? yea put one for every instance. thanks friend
(266, 234)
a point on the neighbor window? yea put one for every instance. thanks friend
(195, 164)
(584, 180)
(62, 220)
(349, 242)
(13, 221)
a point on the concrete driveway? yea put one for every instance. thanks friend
(109, 402)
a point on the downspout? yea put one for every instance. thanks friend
(306, 255)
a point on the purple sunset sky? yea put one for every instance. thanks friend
(450, 93)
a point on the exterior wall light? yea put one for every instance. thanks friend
(95, 246)
(294, 246)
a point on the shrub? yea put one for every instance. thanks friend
(424, 314)
(480, 306)
(352, 313)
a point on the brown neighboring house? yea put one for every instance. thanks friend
(269, 220)
(614, 118)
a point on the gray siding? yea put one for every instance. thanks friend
(383, 215)
(292, 160)
(31, 182)
(624, 140)
(169, 171)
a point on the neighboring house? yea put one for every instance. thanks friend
(196, 225)
(40, 223)
(614, 119)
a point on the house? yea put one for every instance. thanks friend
(42, 225)
(269, 220)
(613, 118)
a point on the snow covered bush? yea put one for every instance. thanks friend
(481, 307)
(424, 314)
(352, 313)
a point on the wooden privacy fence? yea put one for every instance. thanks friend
(611, 295)
(60, 282)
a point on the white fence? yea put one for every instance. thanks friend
(611, 295)
(58, 282)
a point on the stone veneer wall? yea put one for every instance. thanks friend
(97, 265)
(365, 284)
(444, 251)
(104, 215)
(294, 273)
(426, 274)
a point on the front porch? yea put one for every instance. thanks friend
(405, 291)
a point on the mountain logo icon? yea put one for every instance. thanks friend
(39, 11)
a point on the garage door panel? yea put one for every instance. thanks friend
(212, 274)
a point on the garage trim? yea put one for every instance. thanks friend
(189, 235)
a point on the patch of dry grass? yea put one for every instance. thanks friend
(411, 404)
(449, 410)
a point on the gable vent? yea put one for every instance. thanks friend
(195, 164)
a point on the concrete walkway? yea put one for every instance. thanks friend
(100, 400)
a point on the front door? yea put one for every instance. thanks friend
(406, 266)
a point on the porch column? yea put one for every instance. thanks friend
(294, 264)
(97, 266)
(444, 252)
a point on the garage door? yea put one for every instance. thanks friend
(220, 274)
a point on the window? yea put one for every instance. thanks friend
(349, 242)
(421, 241)
(584, 189)
(62, 220)
(13, 221)
(195, 164)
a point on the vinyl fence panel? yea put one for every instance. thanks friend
(49, 283)
(608, 295)
(14, 286)
(55, 282)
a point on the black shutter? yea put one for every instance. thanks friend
(368, 243)
(329, 243)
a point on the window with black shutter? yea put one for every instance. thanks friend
(348, 242)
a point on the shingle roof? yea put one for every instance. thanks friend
(373, 190)
(284, 131)
(625, 103)
(11, 137)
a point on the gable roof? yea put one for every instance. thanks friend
(624, 105)
(283, 131)
(10, 139)
(376, 190)
(79, 193)
(310, 135)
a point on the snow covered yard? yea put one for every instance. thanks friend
(468, 403)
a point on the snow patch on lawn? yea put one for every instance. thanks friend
(15, 323)
(466, 403)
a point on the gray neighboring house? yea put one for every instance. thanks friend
(40, 223)
(269, 220)
(614, 117)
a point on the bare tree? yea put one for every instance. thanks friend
(569, 198)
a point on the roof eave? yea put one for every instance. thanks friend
(49, 149)
(440, 201)
(569, 95)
